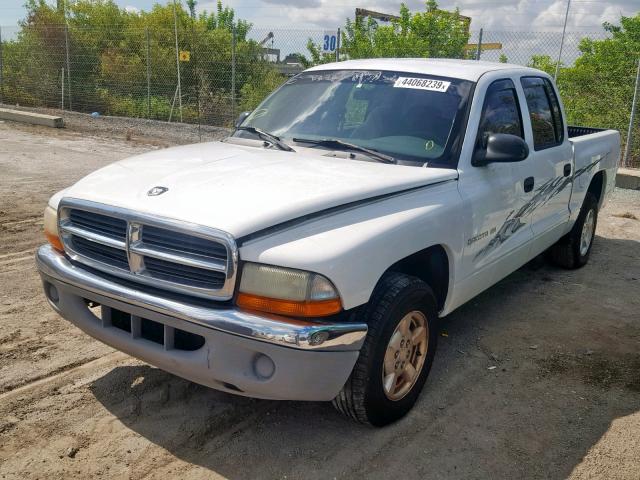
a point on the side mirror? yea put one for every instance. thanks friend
(501, 148)
(241, 118)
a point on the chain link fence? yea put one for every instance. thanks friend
(194, 75)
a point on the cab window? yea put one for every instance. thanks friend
(544, 112)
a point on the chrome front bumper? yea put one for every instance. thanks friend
(312, 359)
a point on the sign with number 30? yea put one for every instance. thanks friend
(329, 41)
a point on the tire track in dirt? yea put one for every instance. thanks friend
(14, 254)
(12, 261)
(65, 372)
(34, 220)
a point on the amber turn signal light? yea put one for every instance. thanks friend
(51, 228)
(318, 308)
(54, 240)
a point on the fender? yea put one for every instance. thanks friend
(355, 245)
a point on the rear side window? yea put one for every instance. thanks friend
(544, 112)
(500, 112)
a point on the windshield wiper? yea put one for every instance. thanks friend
(334, 142)
(267, 137)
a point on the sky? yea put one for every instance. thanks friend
(541, 15)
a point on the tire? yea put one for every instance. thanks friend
(571, 252)
(395, 298)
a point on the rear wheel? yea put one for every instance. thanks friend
(397, 354)
(573, 250)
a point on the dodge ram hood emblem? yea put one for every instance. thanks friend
(155, 191)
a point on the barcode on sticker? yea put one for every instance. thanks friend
(422, 84)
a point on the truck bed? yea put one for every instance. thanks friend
(575, 131)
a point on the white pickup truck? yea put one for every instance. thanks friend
(309, 255)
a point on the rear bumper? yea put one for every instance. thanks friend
(310, 360)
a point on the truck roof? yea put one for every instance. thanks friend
(463, 69)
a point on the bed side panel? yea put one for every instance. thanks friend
(594, 153)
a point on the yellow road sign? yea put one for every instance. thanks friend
(185, 56)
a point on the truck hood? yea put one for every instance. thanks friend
(242, 189)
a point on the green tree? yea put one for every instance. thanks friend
(598, 89)
(544, 63)
(432, 33)
(191, 5)
(258, 87)
(108, 58)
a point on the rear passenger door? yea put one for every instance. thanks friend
(550, 162)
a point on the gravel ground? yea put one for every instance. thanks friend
(563, 400)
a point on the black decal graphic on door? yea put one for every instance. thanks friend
(544, 193)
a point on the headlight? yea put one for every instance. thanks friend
(287, 291)
(51, 228)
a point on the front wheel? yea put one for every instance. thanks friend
(397, 354)
(572, 251)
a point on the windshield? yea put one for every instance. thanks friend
(414, 118)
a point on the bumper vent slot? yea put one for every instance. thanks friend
(169, 337)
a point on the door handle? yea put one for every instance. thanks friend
(528, 184)
(567, 169)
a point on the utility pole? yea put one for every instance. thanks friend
(564, 30)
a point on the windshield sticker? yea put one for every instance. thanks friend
(422, 84)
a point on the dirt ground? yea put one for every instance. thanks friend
(563, 400)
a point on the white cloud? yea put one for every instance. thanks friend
(132, 9)
(489, 14)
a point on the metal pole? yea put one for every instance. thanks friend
(194, 47)
(338, 46)
(479, 52)
(564, 29)
(146, 29)
(66, 42)
(627, 147)
(62, 96)
(233, 73)
(173, 104)
(175, 30)
(1, 69)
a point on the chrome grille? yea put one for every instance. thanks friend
(102, 253)
(157, 237)
(183, 274)
(99, 224)
(183, 258)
